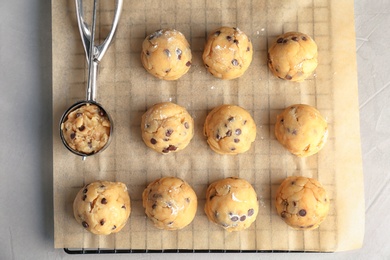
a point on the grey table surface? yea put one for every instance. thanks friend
(26, 199)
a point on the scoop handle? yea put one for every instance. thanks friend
(86, 34)
(95, 53)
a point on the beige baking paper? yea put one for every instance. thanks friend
(126, 90)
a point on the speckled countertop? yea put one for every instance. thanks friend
(26, 211)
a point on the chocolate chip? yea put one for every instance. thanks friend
(101, 112)
(211, 197)
(85, 190)
(218, 137)
(186, 125)
(102, 186)
(156, 34)
(235, 41)
(229, 38)
(167, 52)
(104, 201)
(178, 53)
(283, 214)
(294, 38)
(304, 38)
(123, 207)
(102, 221)
(248, 48)
(90, 144)
(166, 139)
(172, 148)
(302, 213)
(154, 206)
(238, 131)
(280, 40)
(168, 132)
(293, 183)
(114, 227)
(217, 33)
(281, 120)
(236, 140)
(251, 212)
(157, 195)
(188, 200)
(229, 133)
(78, 114)
(309, 226)
(233, 149)
(288, 77)
(167, 70)
(81, 128)
(285, 40)
(72, 135)
(147, 53)
(84, 197)
(242, 218)
(294, 132)
(294, 203)
(234, 219)
(231, 119)
(188, 63)
(245, 122)
(170, 223)
(235, 62)
(153, 141)
(85, 224)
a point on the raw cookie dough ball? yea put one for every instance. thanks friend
(301, 129)
(293, 56)
(86, 129)
(227, 53)
(229, 129)
(102, 207)
(302, 202)
(231, 203)
(166, 54)
(170, 203)
(167, 127)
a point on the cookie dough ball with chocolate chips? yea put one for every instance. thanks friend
(301, 129)
(302, 202)
(170, 203)
(102, 207)
(228, 53)
(293, 56)
(166, 54)
(229, 129)
(167, 127)
(86, 129)
(231, 203)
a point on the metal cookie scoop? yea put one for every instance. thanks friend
(94, 54)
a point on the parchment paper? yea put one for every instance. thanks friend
(126, 90)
